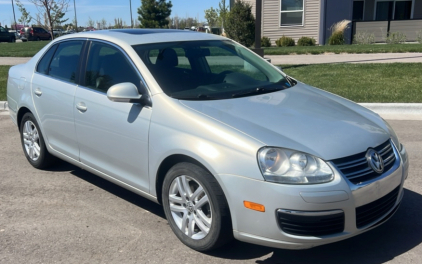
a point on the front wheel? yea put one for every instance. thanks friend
(196, 208)
(33, 143)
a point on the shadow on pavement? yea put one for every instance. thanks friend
(395, 237)
(110, 187)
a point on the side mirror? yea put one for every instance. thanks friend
(127, 93)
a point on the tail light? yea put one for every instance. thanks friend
(32, 31)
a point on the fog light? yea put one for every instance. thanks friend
(254, 206)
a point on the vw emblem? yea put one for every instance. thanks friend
(375, 161)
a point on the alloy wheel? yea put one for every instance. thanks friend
(31, 140)
(190, 207)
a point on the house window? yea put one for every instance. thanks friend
(393, 10)
(291, 13)
(358, 10)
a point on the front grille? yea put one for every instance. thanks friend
(307, 225)
(356, 169)
(369, 213)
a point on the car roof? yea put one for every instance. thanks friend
(144, 36)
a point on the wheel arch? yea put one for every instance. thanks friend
(21, 112)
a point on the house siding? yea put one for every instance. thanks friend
(271, 21)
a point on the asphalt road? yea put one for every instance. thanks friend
(67, 215)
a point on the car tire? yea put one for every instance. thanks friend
(38, 39)
(200, 217)
(33, 143)
(12, 40)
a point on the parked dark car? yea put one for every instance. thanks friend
(35, 33)
(6, 36)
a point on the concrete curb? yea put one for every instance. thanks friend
(395, 111)
(3, 106)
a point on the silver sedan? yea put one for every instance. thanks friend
(230, 145)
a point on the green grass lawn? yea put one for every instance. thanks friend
(374, 48)
(21, 49)
(3, 81)
(364, 83)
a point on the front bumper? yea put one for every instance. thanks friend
(263, 228)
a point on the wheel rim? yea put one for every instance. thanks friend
(190, 207)
(31, 140)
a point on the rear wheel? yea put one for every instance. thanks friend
(38, 39)
(196, 208)
(33, 143)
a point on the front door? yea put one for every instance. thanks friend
(113, 137)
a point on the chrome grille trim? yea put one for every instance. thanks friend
(356, 169)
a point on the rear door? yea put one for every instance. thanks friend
(53, 89)
(113, 137)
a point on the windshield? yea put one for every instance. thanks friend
(209, 70)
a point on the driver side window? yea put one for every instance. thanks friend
(107, 66)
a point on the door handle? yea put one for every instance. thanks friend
(38, 92)
(81, 107)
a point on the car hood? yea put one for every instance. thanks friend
(301, 118)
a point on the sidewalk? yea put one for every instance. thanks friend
(303, 59)
(346, 58)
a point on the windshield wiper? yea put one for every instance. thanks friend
(259, 90)
(196, 97)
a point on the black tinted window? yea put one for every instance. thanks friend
(45, 60)
(108, 66)
(65, 61)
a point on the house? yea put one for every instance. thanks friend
(313, 18)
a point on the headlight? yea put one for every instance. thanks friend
(292, 167)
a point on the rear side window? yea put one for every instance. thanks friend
(65, 61)
(107, 66)
(45, 60)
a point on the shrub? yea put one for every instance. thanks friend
(395, 38)
(306, 41)
(265, 42)
(337, 38)
(419, 36)
(337, 32)
(285, 42)
(240, 23)
(364, 38)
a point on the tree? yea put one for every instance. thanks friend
(25, 18)
(222, 10)
(118, 23)
(103, 23)
(90, 22)
(154, 13)
(240, 24)
(211, 16)
(53, 12)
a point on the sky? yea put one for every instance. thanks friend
(108, 9)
